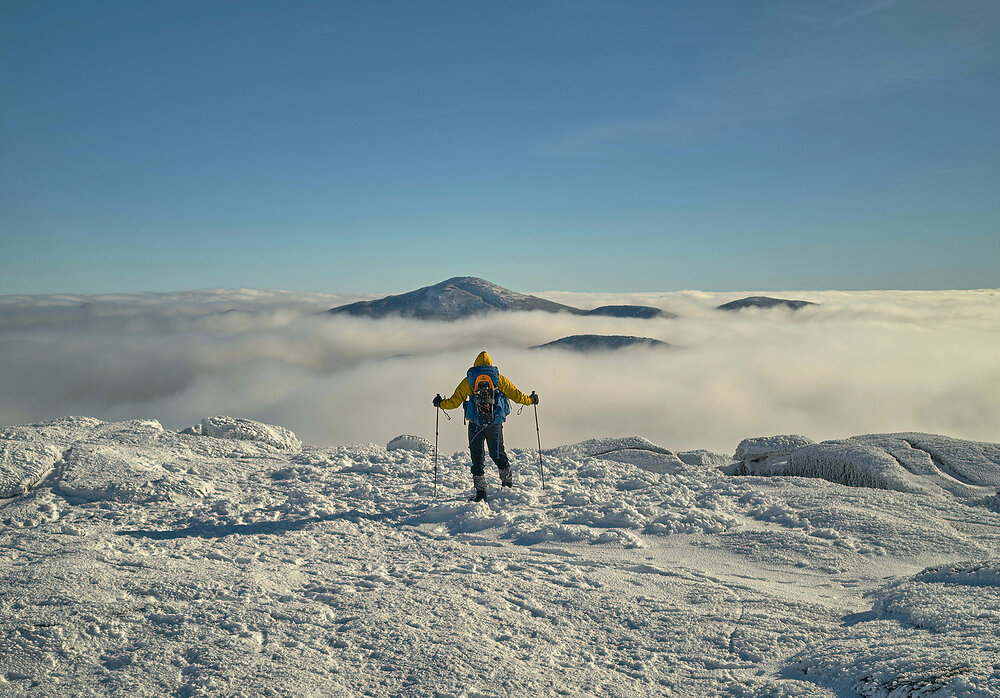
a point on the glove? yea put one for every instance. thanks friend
(533, 397)
(437, 400)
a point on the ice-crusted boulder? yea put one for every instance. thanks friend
(239, 429)
(903, 462)
(23, 464)
(706, 459)
(408, 442)
(635, 450)
(767, 455)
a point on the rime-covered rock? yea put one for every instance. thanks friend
(903, 462)
(236, 428)
(408, 442)
(763, 455)
(704, 458)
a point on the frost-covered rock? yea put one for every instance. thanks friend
(408, 442)
(236, 428)
(633, 450)
(23, 464)
(601, 447)
(766, 455)
(853, 464)
(903, 462)
(764, 447)
(704, 458)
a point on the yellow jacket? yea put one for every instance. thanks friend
(464, 390)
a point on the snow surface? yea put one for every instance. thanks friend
(140, 561)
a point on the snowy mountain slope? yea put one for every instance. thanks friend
(458, 297)
(466, 296)
(155, 563)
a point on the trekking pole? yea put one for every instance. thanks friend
(437, 421)
(538, 434)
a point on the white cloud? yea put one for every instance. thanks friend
(860, 362)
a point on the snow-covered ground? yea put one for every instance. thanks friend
(144, 562)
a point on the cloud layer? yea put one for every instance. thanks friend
(858, 363)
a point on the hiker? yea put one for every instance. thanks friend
(487, 407)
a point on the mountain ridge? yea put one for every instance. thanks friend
(469, 296)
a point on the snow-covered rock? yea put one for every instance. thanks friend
(604, 446)
(239, 429)
(635, 450)
(903, 462)
(853, 464)
(408, 442)
(766, 455)
(705, 458)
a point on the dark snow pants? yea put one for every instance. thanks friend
(492, 437)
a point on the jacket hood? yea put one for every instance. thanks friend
(483, 359)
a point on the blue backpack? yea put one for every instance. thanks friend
(488, 405)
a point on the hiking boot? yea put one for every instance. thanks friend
(506, 478)
(479, 482)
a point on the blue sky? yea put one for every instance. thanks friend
(590, 146)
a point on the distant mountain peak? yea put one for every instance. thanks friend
(466, 296)
(451, 299)
(763, 302)
(601, 342)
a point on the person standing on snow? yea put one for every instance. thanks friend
(486, 391)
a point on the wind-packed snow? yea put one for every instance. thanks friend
(23, 464)
(136, 560)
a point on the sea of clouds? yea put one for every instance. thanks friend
(860, 362)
